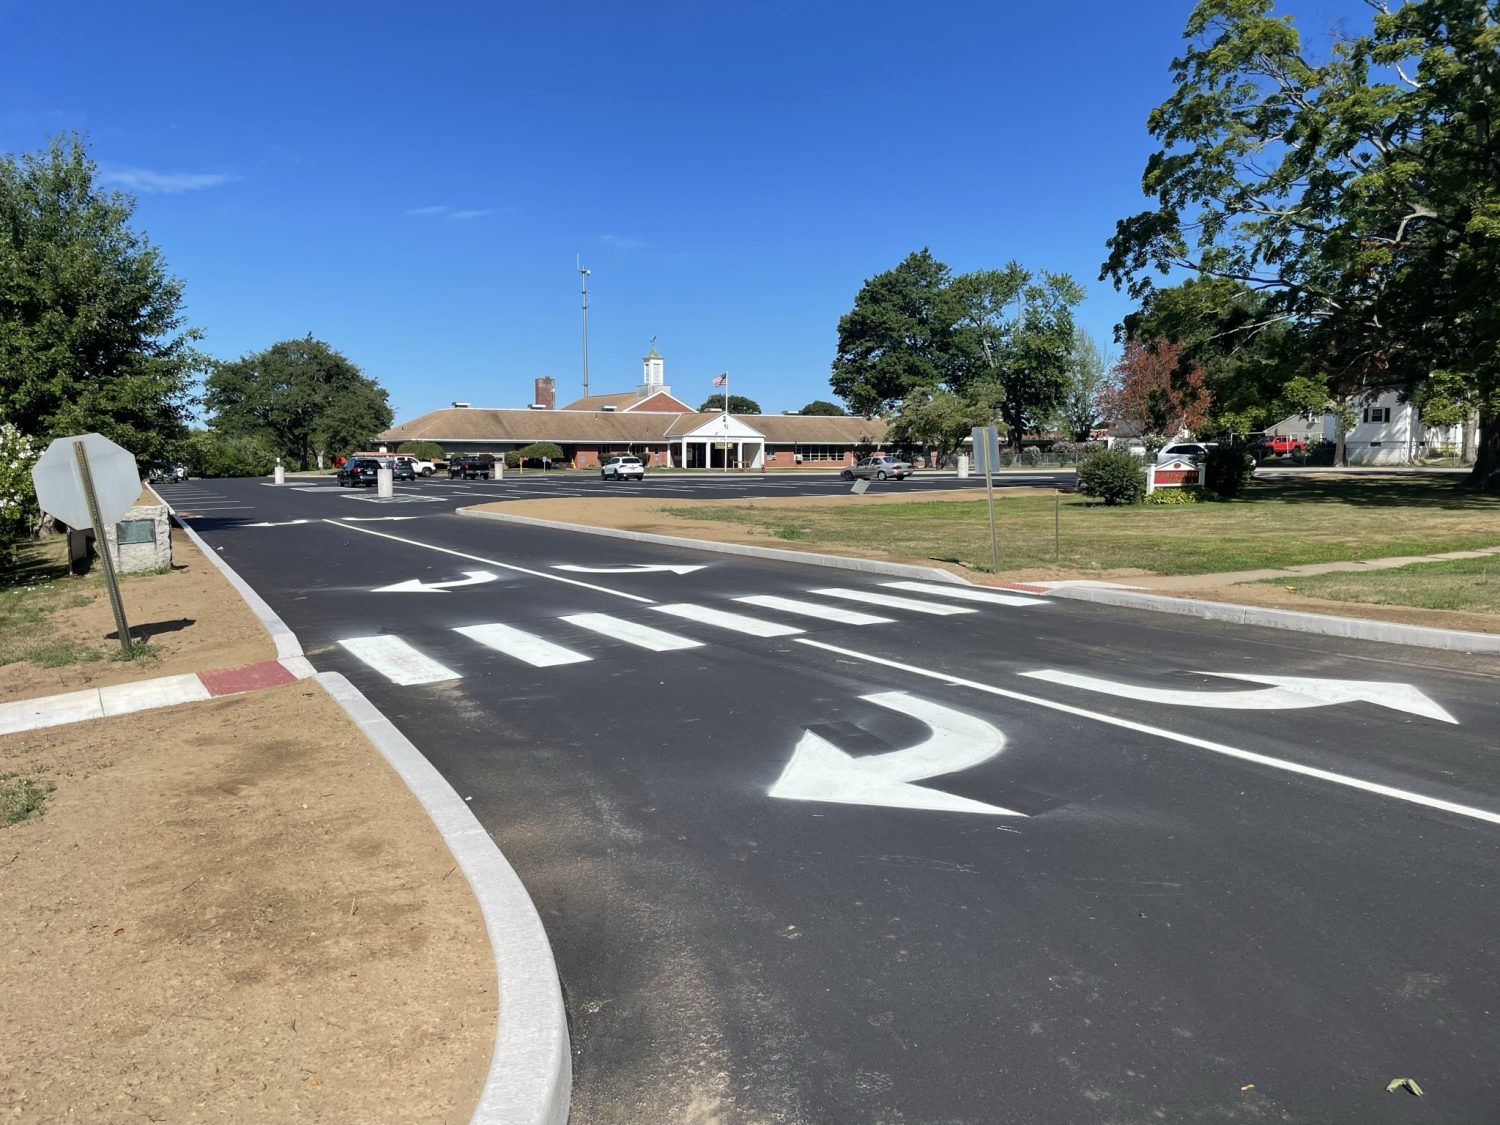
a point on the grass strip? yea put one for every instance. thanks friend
(1282, 522)
(1470, 585)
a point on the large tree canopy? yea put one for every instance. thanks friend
(821, 406)
(738, 404)
(91, 329)
(1087, 381)
(305, 399)
(1156, 392)
(950, 344)
(1359, 196)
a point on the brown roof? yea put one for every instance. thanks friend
(456, 426)
(662, 403)
(595, 402)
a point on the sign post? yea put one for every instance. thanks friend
(87, 481)
(986, 441)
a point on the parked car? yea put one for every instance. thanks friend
(476, 467)
(418, 466)
(622, 467)
(879, 467)
(1187, 450)
(401, 468)
(1277, 445)
(357, 471)
(166, 471)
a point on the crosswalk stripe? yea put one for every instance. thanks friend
(738, 623)
(966, 593)
(813, 609)
(875, 598)
(397, 661)
(642, 636)
(522, 645)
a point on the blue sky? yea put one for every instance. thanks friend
(413, 184)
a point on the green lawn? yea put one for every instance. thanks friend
(1277, 523)
(1472, 585)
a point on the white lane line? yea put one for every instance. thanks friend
(966, 593)
(738, 623)
(489, 562)
(642, 636)
(813, 609)
(891, 600)
(1187, 740)
(522, 645)
(397, 661)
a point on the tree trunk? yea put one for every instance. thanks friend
(1485, 476)
(1466, 441)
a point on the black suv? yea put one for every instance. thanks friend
(471, 468)
(357, 471)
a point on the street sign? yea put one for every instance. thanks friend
(59, 481)
(986, 441)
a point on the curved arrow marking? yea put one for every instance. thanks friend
(1286, 693)
(288, 523)
(820, 771)
(417, 586)
(634, 568)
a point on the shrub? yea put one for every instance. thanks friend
(212, 454)
(537, 450)
(1228, 468)
(18, 510)
(1070, 452)
(1186, 494)
(1112, 476)
(422, 450)
(1031, 456)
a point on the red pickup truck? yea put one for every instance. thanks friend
(1273, 445)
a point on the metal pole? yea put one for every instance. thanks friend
(583, 273)
(989, 490)
(110, 581)
(1057, 527)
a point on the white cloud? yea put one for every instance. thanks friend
(442, 211)
(167, 183)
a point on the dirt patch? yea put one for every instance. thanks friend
(649, 515)
(234, 911)
(192, 618)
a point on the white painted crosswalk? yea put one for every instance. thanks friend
(575, 638)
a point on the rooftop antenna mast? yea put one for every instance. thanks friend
(583, 274)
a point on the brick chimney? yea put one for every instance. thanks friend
(546, 392)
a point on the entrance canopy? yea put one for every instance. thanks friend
(722, 442)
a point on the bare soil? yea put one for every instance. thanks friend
(228, 911)
(650, 515)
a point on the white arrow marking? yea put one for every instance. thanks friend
(634, 568)
(288, 523)
(1287, 693)
(417, 586)
(820, 771)
(370, 519)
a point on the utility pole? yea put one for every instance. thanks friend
(583, 274)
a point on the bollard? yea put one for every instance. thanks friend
(963, 466)
(385, 480)
(499, 468)
(280, 475)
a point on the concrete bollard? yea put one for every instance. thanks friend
(385, 483)
(963, 466)
(499, 469)
(280, 475)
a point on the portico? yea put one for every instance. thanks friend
(724, 441)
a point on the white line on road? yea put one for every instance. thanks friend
(397, 661)
(966, 593)
(813, 609)
(642, 636)
(893, 602)
(522, 645)
(738, 623)
(1187, 740)
(489, 562)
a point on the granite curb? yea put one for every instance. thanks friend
(840, 562)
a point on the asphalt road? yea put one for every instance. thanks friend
(941, 861)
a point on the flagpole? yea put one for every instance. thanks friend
(726, 422)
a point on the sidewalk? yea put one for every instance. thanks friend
(1234, 577)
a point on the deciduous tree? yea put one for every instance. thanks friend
(1151, 392)
(302, 397)
(738, 404)
(1087, 381)
(823, 407)
(1360, 196)
(91, 328)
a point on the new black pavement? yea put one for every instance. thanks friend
(1170, 935)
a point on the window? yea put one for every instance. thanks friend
(1379, 414)
(821, 452)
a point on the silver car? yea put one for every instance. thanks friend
(879, 467)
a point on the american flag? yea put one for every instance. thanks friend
(722, 380)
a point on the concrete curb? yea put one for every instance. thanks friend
(1354, 628)
(530, 1078)
(287, 645)
(840, 562)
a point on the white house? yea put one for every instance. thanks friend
(1388, 431)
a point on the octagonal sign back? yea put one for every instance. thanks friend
(59, 487)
